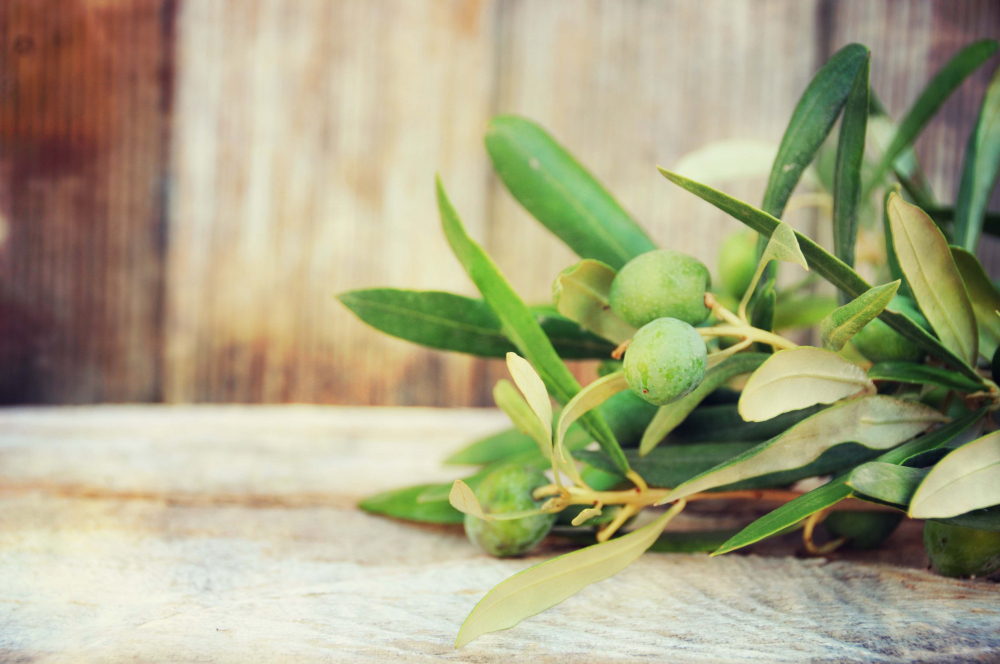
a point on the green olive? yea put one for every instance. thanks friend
(665, 361)
(958, 551)
(863, 530)
(661, 284)
(880, 343)
(506, 490)
(738, 261)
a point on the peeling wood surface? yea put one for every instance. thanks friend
(228, 534)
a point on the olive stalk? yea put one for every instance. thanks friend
(738, 327)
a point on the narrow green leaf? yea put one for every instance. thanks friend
(543, 586)
(797, 378)
(836, 490)
(492, 448)
(922, 374)
(451, 322)
(582, 292)
(828, 266)
(561, 194)
(933, 278)
(979, 173)
(670, 416)
(847, 174)
(887, 482)
(403, 504)
(984, 519)
(722, 423)
(518, 322)
(840, 326)
(947, 79)
(670, 465)
(802, 312)
(891, 259)
(875, 422)
(985, 299)
(811, 122)
(965, 480)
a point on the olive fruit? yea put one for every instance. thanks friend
(958, 551)
(506, 490)
(863, 530)
(880, 343)
(660, 284)
(665, 361)
(738, 262)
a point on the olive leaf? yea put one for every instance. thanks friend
(934, 94)
(933, 278)
(405, 504)
(906, 165)
(847, 171)
(463, 499)
(980, 170)
(985, 299)
(874, 421)
(543, 586)
(798, 378)
(886, 482)
(671, 415)
(670, 465)
(587, 399)
(843, 323)
(561, 194)
(493, 447)
(965, 480)
(518, 321)
(533, 389)
(451, 322)
(581, 293)
(802, 312)
(922, 374)
(836, 489)
(722, 423)
(781, 246)
(826, 265)
(527, 421)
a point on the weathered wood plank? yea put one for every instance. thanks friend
(228, 534)
(84, 108)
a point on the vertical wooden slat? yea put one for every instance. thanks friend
(83, 86)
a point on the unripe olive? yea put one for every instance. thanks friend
(958, 551)
(738, 261)
(665, 361)
(863, 530)
(506, 490)
(880, 343)
(660, 284)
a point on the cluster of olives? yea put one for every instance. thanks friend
(663, 294)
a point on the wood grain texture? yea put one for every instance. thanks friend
(229, 534)
(84, 105)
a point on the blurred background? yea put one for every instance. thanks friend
(186, 184)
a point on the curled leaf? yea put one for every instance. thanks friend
(843, 323)
(543, 586)
(965, 480)
(581, 293)
(588, 398)
(798, 378)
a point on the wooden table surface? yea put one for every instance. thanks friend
(230, 533)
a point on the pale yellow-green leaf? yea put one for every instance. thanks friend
(782, 246)
(798, 378)
(463, 498)
(543, 586)
(984, 297)
(532, 388)
(876, 422)
(589, 397)
(930, 271)
(844, 322)
(965, 480)
(581, 293)
(510, 401)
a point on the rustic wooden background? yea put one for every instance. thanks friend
(185, 184)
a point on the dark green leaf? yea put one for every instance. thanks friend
(403, 504)
(701, 541)
(847, 176)
(887, 482)
(922, 374)
(561, 194)
(828, 266)
(947, 79)
(723, 423)
(979, 173)
(519, 323)
(670, 465)
(984, 519)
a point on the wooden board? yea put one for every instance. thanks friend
(229, 534)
